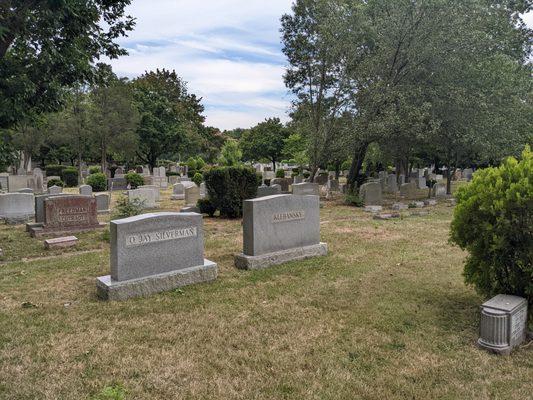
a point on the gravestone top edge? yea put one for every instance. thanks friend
(143, 217)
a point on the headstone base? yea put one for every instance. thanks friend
(177, 197)
(111, 290)
(38, 231)
(279, 257)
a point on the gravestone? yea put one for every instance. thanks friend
(102, 203)
(408, 190)
(86, 190)
(67, 214)
(305, 189)
(278, 229)
(422, 183)
(467, 174)
(17, 182)
(25, 190)
(392, 185)
(173, 179)
(503, 323)
(151, 253)
(178, 192)
(370, 193)
(192, 195)
(283, 182)
(156, 190)
(203, 192)
(144, 197)
(62, 242)
(16, 207)
(119, 173)
(55, 189)
(439, 190)
(3, 181)
(401, 179)
(38, 180)
(399, 206)
(298, 179)
(271, 190)
(117, 184)
(333, 185)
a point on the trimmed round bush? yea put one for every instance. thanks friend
(198, 178)
(70, 176)
(206, 207)
(55, 182)
(228, 187)
(134, 179)
(95, 169)
(280, 173)
(54, 170)
(200, 163)
(493, 221)
(98, 181)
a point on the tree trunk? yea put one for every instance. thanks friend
(274, 165)
(357, 162)
(449, 174)
(337, 170)
(313, 173)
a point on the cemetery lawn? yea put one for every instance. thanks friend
(385, 315)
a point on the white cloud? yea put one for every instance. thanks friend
(227, 50)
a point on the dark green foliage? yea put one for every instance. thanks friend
(125, 208)
(46, 46)
(227, 187)
(353, 200)
(54, 170)
(95, 169)
(198, 178)
(70, 177)
(134, 179)
(206, 207)
(55, 182)
(280, 173)
(98, 181)
(493, 221)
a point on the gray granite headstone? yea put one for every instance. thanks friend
(25, 190)
(280, 228)
(468, 173)
(16, 207)
(102, 203)
(305, 189)
(192, 195)
(371, 194)
(86, 190)
(55, 189)
(408, 190)
(156, 252)
(271, 190)
(392, 185)
(146, 197)
(439, 190)
(156, 190)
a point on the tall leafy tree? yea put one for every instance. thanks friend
(46, 45)
(169, 115)
(266, 140)
(114, 117)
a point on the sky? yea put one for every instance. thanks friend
(228, 51)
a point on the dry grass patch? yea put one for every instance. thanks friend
(384, 316)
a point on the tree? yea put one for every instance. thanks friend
(231, 154)
(28, 137)
(318, 74)
(114, 117)
(71, 127)
(169, 115)
(47, 45)
(264, 141)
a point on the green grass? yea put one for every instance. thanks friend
(384, 316)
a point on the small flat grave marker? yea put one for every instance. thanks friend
(66, 241)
